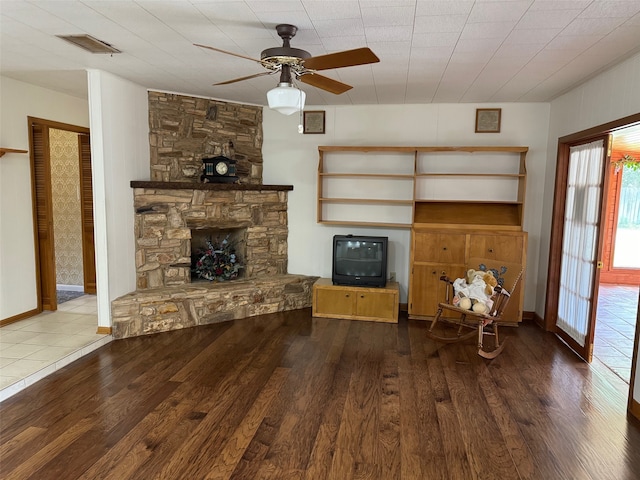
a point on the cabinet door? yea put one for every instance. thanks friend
(507, 248)
(335, 301)
(438, 247)
(375, 304)
(427, 290)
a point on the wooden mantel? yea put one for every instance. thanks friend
(208, 186)
(11, 150)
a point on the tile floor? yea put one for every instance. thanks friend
(36, 347)
(615, 327)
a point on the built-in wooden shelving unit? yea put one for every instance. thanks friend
(408, 186)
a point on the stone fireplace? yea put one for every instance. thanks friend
(167, 215)
(168, 212)
(175, 208)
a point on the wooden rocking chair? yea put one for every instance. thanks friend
(452, 324)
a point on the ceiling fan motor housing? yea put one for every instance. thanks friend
(286, 54)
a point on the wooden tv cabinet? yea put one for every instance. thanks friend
(356, 303)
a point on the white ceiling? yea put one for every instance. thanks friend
(430, 51)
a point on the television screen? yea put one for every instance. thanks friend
(359, 260)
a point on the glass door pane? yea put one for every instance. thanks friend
(626, 253)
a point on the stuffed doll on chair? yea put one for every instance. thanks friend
(475, 291)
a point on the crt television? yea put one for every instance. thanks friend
(359, 260)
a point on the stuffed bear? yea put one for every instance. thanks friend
(491, 282)
(487, 277)
(463, 302)
(475, 291)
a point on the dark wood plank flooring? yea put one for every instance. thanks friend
(285, 396)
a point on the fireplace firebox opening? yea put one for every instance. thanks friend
(218, 254)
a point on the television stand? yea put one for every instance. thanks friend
(356, 303)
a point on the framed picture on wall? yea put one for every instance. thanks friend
(313, 121)
(488, 120)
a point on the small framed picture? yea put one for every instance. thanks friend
(313, 121)
(488, 120)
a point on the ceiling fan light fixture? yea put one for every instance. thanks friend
(286, 98)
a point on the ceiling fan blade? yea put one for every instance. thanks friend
(229, 53)
(325, 83)
(347, 58)
(245, 78)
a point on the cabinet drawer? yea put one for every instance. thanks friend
(439, 247)
(508, 248)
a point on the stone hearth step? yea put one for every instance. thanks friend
(148, 311)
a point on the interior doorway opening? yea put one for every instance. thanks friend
(63, 209)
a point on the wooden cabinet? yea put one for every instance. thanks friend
(460, 203)
(437, 253)
(355, 303)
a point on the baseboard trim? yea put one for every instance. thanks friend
(634, 408)
(104, 331)
(537, 319)
(20, 316)
(70, 288)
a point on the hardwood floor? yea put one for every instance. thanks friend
(284, 396)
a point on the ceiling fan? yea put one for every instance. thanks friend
(293, 62)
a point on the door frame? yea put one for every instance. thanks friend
(557, 221)
(47, 217)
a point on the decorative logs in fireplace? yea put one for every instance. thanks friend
(217, 254)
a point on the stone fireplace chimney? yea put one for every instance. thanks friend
(174, 205)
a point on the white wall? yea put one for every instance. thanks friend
(17, 255)
(612, 95)
(120, 153)
(292, 159)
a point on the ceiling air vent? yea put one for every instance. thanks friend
(89, 43)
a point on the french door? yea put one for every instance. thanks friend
(582, 240)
